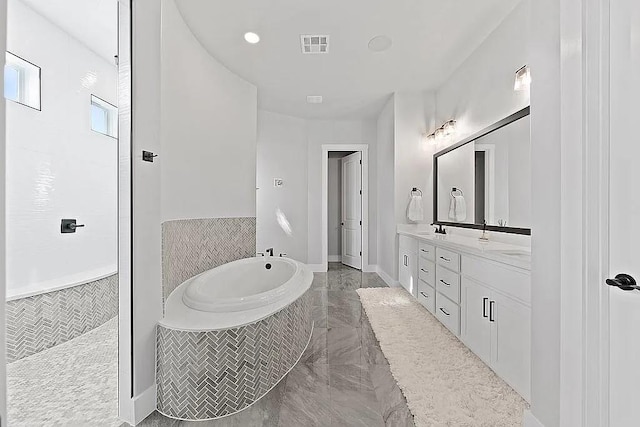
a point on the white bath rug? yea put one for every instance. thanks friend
(444, 383)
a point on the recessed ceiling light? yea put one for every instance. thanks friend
(252, 38)
(380, 43)
(314, 99)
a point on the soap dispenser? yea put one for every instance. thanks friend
(485, 236)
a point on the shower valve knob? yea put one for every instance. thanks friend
(69, 226)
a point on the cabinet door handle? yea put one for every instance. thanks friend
(406, 260)
(484, 307)
(445, 259)
(424, 295)
(444, 311)
(492, 305)
(425, 251)
(445, 283)
(424, 270)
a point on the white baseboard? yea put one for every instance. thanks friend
(388, 279)
(372, 268)
(317, 268)
(530, 420)
(334, 258)
(141, 406)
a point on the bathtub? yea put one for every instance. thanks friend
(232, 333)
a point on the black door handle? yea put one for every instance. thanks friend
(624, 282)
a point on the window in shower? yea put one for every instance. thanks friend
(104, 117)
(21, 81)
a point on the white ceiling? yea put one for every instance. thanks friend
(93, 22)
(431, 38)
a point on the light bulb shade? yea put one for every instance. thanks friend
(439, 133)
(523, 79)
(449, 128)
(431, 138)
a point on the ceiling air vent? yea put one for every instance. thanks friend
(312, 44)
(314, 99)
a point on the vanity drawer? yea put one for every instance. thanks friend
(427, 271)
(427, 251)
(427, 296)
(448, 283)
(448, 313)
(449, 259)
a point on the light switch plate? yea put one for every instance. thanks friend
(278, 182)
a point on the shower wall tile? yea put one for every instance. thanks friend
(42, 321)
(192, 246)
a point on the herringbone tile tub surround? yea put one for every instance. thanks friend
(211, 374)
(42, 321)
(192, 246)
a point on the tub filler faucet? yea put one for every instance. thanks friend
(269, 251)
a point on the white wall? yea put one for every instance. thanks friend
(282, 153)
(291, 147)
(209, 126)
(414, 112)
(386, 225)
(57, 167)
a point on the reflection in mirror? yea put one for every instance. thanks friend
(487, 179)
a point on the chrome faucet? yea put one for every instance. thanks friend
(269, 251)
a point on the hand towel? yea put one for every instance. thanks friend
(415, 212)
(457, 208)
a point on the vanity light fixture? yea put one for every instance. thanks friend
(251, 38)
(523, 79)
(447, 129)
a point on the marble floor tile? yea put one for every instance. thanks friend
(344, 346)
(316, 351)
(343, 309)
(355, 408)
(307, 399)
(320, 314)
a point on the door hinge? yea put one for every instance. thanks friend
(360, 222)
(360, 161)
(360, 253)
(361, 192)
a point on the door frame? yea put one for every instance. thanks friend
(364, 150)
(3, 278)
(584, 237)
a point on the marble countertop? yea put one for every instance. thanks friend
(516, 256)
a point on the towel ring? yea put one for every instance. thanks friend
(454, 189)
(415, 190)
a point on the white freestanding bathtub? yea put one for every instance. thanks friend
(232, 333)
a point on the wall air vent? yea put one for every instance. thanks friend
(314, 44)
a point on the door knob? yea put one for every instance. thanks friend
(624, 282)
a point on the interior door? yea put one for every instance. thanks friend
(624, 213)
(352, 210)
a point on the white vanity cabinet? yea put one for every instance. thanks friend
(408, 264)
(495, 323)
(484, 300)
